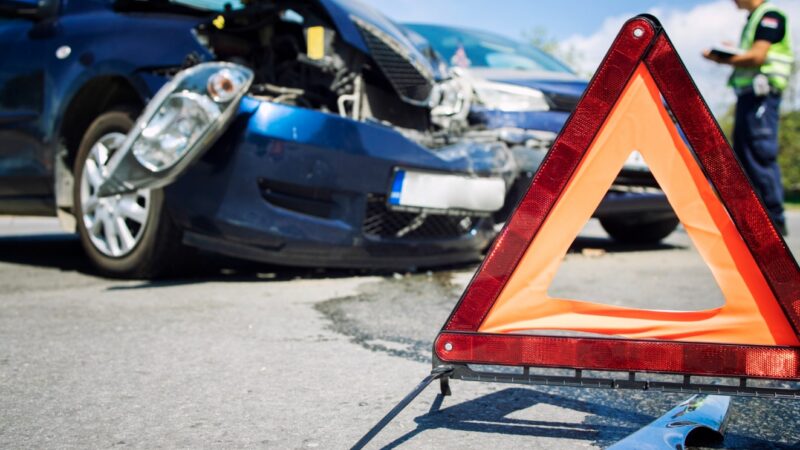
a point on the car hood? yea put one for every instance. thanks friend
(555, 83)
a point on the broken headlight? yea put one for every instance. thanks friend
(181, 122)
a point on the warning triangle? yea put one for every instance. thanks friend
(506, 313)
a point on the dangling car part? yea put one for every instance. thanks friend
(178, 126)
(291, 132)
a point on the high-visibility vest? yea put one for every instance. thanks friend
(778, 66)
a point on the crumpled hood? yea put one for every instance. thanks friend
(342, 13)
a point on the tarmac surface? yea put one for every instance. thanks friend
(250, 356)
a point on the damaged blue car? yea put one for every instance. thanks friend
(308, 133)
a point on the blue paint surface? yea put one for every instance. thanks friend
(397, 187)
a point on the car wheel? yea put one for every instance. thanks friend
(639, 231)
(126, 235)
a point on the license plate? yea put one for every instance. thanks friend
(424, 190)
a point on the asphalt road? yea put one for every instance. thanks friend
(243, 355)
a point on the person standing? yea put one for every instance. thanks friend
(761, 73)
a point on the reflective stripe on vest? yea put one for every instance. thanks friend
(778, 66)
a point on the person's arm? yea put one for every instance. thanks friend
(755, 57)
(770, 30)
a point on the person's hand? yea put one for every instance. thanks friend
(711, 56)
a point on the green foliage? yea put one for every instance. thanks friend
(789, 156)
(789, 142)
(726, 122)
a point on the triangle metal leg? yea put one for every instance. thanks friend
(438, 373)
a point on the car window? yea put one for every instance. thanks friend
(470, 48)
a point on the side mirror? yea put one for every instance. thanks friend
(30, 9)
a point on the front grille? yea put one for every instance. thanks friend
(561, 102)
(301, 199)
(380, 221)
(408, 80)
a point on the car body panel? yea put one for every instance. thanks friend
(35, 123)
(119, 53)
(24, 163)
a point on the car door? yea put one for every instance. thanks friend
(25, 168)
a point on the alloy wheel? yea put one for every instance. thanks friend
(114, 224)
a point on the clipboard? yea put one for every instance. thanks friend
(725, 51)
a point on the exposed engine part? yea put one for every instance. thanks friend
(293, 50)
(451, 101)
(277, 94)
(299, 59)
(353, 100)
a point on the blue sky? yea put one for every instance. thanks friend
(587, 28)
(511, 17)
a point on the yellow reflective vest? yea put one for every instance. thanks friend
(780, 58)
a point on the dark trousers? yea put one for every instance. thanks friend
(755, 141)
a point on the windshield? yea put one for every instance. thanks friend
(470, 48)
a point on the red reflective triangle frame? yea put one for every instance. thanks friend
(641, 41)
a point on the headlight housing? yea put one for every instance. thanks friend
(508, 97)
(181, 122)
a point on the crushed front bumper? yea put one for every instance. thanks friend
(299, 187)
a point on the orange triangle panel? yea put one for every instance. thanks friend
(506, 312)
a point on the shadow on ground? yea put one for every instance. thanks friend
(494, 413)
(63, 252)
(610, 417)
(56, 251)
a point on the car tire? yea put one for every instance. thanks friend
(639, 231)
(129, 235)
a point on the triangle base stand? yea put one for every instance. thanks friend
(641, 381)
(587, 379)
